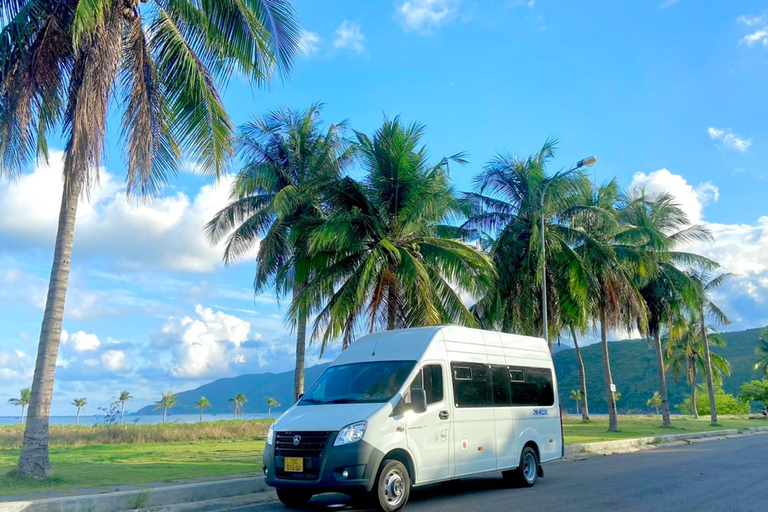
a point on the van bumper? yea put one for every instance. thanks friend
(360, 460)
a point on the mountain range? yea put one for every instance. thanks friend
(633, 363)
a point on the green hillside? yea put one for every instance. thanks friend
(634, 371)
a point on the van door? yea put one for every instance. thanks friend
(429, 433)
(474, 419)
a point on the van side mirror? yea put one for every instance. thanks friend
(419, 400)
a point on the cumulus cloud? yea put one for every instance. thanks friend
(729, 139)
(424, 16)
(692, 200)
(309, 43)
(349, 36)
(166, 233)
(759, 35)
(80, 341)
(15, 367)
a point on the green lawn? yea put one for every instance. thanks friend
(104, 465)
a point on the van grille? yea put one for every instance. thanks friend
(311, 444)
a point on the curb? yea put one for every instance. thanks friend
(141, 498)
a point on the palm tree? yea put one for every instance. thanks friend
(685, 353)
(706, 309)
(669, 290)
(271, 402)
(79, 403)
(576, 397)
(655, 401)
(286, 154)
(202, 404)
(612, 259)
(62, 63)
(381, 257)
(167, 401)
(762, 351)
(239, 400)
(23, 401)
(124, 397)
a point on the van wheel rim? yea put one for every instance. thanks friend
(394, 487)
(529, 467)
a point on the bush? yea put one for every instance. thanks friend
(756, 390)
(726, 403)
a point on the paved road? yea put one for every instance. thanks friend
(723, 475)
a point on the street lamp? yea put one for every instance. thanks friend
(584, 162)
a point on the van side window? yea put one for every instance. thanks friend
(500, 384)
(532, 387)
(472, 385)
(430, 379)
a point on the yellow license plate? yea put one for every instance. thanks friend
(294, 465)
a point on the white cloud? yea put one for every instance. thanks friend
(729, 139)
(309, 43)
(751, 21)
(166, 233)
(691, 199)
(758, 36)
(349, 36)
(15, 367)
(113, 360)
(666, 4)
(80, 341)
(424, 16)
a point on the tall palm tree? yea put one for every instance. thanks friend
(381, 258)
(167, 401)
(669, 290)
(271, 402)
(60, 65)
(762, 352)
(706, 310)
(239, 400)
(685, 352)
(506, 211)
(609, 248)
(79, 403)
(576, 397)
(125, 396)
(22, 401)
(202, 404)
(287, 154)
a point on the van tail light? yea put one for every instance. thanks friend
(562, 433)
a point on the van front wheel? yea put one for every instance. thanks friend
(392, 487)
(293, 498)
(527, 472)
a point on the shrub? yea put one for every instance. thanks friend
(726, 403)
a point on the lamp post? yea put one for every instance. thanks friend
(584, 162)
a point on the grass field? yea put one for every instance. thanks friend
(102, 457)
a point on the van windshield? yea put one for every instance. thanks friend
(373, 382)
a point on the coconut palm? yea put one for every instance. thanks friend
(79, 403)
(685, 353)
(167, 401)
(506, 211)
(125, 396)
(271, 402)
(706, 310)
(202, 404)
(381, 258)
(286, 154)
(762, 352)
(22, 401)
(60, 65)
(577, 398)
(239, 400)
(669, 290)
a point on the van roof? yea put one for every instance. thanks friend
(412, 344)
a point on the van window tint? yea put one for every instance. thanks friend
(536, 389)
(430, 379)
(500, 385)
(471, 385)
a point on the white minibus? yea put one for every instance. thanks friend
(404, 408)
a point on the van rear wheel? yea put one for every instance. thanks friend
(527, 472)
(293, 498)
(393, 486)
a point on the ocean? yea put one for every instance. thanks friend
(148, 419)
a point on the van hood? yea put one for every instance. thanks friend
(331, 417)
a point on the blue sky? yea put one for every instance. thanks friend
(669, 95)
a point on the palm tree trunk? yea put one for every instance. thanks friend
(77, 418)
(710, 380)
(666, 421)
(165, 410)
(122, 412)
(692, 371)
(582, 379)
(201, 415)
(34, 461)
(301, 345)
(21, 420)
(391, 305)
(577, 408)
(613, 418)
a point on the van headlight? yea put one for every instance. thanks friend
(351, 433)
(270, 435)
